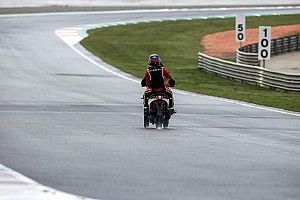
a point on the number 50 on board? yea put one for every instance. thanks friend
(240, 27)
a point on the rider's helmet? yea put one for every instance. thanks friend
(154, 59)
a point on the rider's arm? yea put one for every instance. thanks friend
(147, 78)
(166, 73)
(143, 82)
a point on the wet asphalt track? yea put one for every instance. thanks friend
(72, 126)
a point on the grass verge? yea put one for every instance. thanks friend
(128, 47)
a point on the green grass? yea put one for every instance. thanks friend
(128, 48)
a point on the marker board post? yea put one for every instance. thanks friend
(264, 44)
(240, 29)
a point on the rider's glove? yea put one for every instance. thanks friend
(143, 82)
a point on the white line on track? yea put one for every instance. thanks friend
(103, 67)
(241, 103)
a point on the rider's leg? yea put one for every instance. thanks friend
(171, 100)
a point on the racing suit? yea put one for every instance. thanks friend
(154, 80)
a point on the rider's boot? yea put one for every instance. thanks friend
(172, 111)
(171, 106)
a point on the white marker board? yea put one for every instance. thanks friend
(240, 28)
(264, 43)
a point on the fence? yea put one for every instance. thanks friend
(249, 54)
(248, 73)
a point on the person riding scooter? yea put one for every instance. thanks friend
(157, 79)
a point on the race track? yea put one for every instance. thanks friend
(73, 126)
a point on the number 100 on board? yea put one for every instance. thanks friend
(264, 43)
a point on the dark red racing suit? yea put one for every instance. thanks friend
(154, 79)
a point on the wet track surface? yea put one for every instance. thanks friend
(70, 125)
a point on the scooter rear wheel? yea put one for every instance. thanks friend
(146, 121)
(166, 123)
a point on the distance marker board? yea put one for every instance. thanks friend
(240, 28)
(264, 43)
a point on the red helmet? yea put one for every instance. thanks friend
(154, 59)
